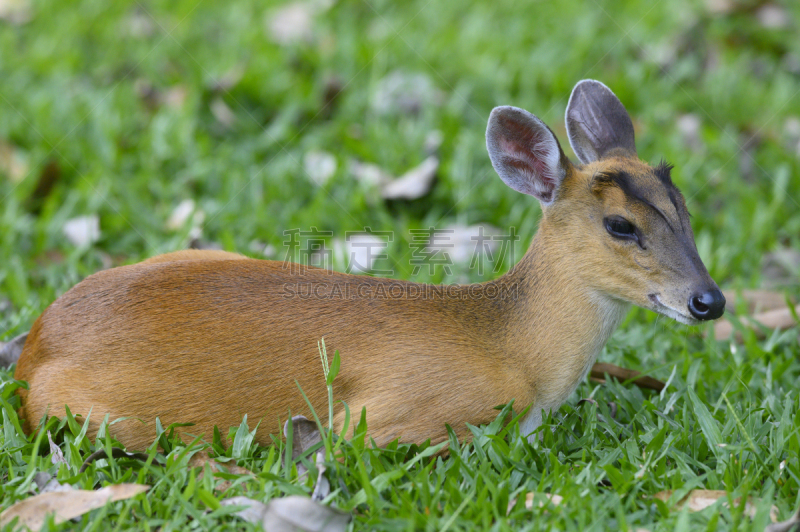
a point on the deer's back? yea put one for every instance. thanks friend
(207, 341)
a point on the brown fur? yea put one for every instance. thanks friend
(208, 336)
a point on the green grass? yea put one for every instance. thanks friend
(71, 84)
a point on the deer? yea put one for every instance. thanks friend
(205, 337)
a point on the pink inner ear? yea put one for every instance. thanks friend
(529, 158)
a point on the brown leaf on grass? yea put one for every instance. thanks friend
(413, 184)
(600, 369)
(227, 80)
(403, 92)
(773, 17)
(529, 499)
(201, 458)
(319, 166)
(774, 319)
(48, 178)
(371, 175)
(138, 24)
(756, 300)
(290, 514)
(689, 126)
(305, 435)
(330, 96)
(33, 511)
(253, 511)
(185, 212)
(172, 97)
(56, 456)
(46, 483)
(82, 231)
(10, 351)
(291, 23)
(223, 113)
(781, 267)
(697, 500)
(790, 525)
(16, 12)
(13, 163)
(361, 250)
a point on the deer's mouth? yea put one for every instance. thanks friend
(661, 308)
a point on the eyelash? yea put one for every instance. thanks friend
(622, 229)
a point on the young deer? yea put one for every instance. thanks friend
(208, 336)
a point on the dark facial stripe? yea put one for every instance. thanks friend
(624, 181)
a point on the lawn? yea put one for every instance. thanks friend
(259, 118)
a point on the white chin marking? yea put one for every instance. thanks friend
(664, 310)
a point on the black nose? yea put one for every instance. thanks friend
(707, 305)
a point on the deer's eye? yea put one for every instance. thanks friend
(622, 229)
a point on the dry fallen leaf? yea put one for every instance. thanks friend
(138, 24)
(173, 97)
(529, 498)
(756, 300)
(774, 319)
(433, 140)
(781, 267)
(291, 23)
(201, 458)
(305, 435)
(56, 456)
(13, 163)
(463, 243)
(47, 483)
(688, 126)
(319, 166)
(773, 17)
(790, 525)
(15, 11)
(290, 514)
(791, 134)
(293, 513)
(182, 213)
(83, 230)
(413, 184)
(371, 175)
(32, 512)
(10, 351)
(45, 183)
(720, 7)
(253, 511)
(227, 80)
(256, 246)
(401, 92)
(697, 500)
(323, 487)
(600, 369)
(360, 251)
(223, 113)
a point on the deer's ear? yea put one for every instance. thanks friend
(597, 123)
(525, 153)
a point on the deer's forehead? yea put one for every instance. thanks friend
(637, 182)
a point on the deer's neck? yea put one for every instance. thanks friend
(558, 324)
